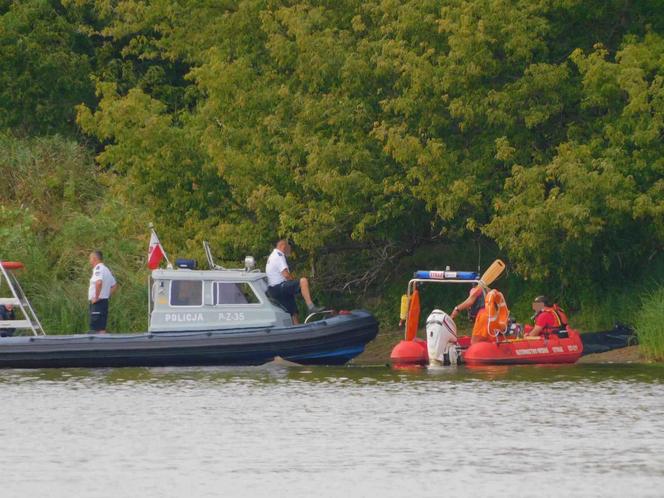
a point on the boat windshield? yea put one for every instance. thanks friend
(234, 293)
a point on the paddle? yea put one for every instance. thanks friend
(492, 273)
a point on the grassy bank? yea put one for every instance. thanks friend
(56, 207)
(650, 324)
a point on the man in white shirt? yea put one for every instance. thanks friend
(102, 285)
(282, 286)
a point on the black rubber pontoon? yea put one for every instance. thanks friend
(332, 341)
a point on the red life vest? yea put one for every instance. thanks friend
(559, 316)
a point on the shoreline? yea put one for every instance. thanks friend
(629, 354)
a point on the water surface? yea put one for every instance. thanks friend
(276, 431)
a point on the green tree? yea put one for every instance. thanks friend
(364, 130)
(597, 207)
(45, 67)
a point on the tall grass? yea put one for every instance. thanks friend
(649, 324)
(604, 310)
(56, 207)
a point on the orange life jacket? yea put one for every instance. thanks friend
(492, 320)
(559, 316)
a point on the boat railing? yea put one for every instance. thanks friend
(18, 299)
(322, 314)
(413, 281)
(498, 336)
(210, 260)
(249, 262)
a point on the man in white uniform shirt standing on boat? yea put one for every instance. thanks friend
(102, 285)
(282, 286)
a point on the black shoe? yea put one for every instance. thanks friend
(315, 309)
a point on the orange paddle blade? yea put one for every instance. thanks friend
(413, 320)
(492, 273)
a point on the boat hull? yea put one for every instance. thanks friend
(526, 351)
(549, 350)
(333, 341)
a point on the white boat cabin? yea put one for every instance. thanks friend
(186, 299)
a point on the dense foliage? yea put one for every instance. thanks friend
(45, 67)
(363, 130)
(382, 126)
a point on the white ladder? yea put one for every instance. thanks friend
(30, 320)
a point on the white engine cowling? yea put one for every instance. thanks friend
(441, 338)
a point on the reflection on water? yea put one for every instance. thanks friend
(584, 430)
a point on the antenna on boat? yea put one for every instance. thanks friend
(210, 259)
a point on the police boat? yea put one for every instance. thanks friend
(196, 317)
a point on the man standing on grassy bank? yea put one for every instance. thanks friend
(102, 285)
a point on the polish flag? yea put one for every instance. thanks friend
(155, 252)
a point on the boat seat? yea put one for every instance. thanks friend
(562, 334)
(277, 304)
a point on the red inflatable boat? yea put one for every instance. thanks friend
(551, 349)
(560, 347)
(523, 351)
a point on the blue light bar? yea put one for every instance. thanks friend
(446, 275)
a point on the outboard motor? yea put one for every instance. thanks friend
(441, 339)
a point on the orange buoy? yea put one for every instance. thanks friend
(410, 353)
(12, 265)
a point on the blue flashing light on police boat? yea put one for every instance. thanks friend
(446, 275)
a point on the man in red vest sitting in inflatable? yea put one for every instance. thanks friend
(548, 318)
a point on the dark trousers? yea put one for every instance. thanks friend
(285, 293)
(98, 315)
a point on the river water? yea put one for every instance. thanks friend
(280, 431)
